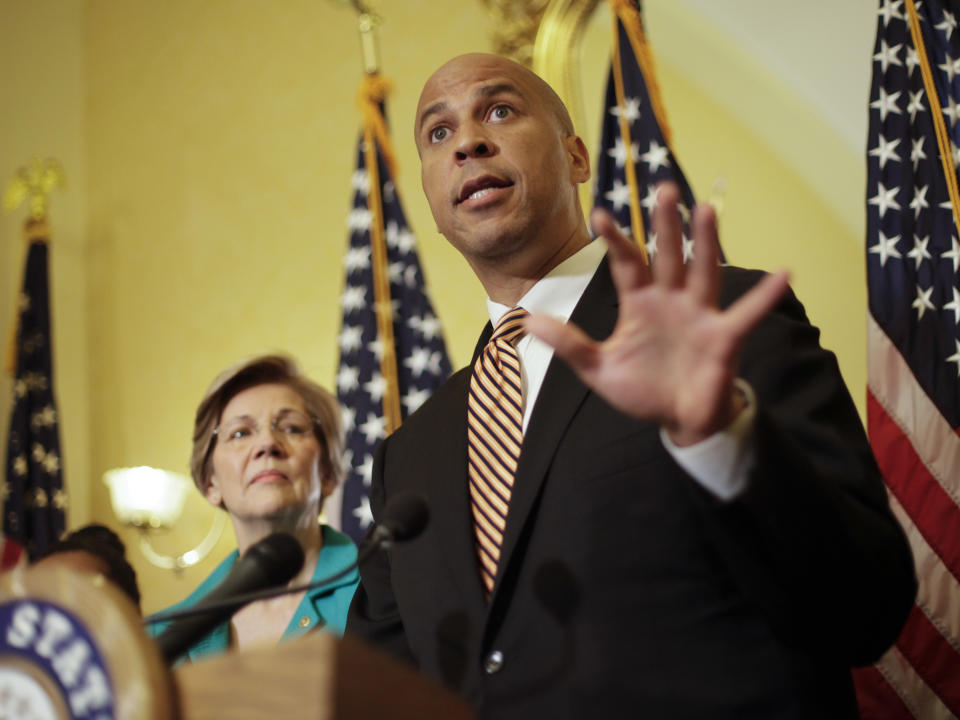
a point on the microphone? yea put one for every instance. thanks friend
(404, 517)
(271, 561)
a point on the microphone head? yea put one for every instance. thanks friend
(278, 556)
(405, 516)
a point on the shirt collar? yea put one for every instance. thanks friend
(558, 292)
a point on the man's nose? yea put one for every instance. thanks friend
(474, 143)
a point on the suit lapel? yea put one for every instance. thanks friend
(560, 396)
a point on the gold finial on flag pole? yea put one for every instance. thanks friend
(34, 183)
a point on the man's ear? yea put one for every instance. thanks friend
(579, 159)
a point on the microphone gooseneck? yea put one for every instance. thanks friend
(404, 517)
(275, 560)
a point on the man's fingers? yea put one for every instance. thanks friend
(703, 280)
(668, 263)
(627, 267)
(746, 312)
(569, 342)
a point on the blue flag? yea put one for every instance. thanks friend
(34, 501)
(629, 167)
(420, 363)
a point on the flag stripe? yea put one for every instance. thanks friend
(910, 687)
(924, 500)
(940, 591)
(932, 657)
(896, 388)
(878, 700)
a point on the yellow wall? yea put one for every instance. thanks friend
(210, 146)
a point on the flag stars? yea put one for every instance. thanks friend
(630, 111)
(649, 201)
(619, 152)
(886, 248)
(40, 498)
(885, 151)
(366, 469)
(948, 24)
(60, 499)
(652, 245)
(376, 347)
(374, 428)
(955, 358)
(354, 297)
(20, 465)
(916, 152)
(363, 514)
(919, 252)
(376, 387)
(348, 378)
(414, 399)
(884, 199)
(619, 195)
(886, 103)
(45, 417)
(888, 55)
(890, 9)
(919, 201)
(922, 302)
(51, 463)
(418, 361)
(951, 110)
(350, 338)
(915, 105)
(954, 306)
(400, 238)
(912, 59)
(359, 219)
(357, 258)
(657, 156)
(348, 417)
(953, 253)
(951, 68)
(360, 181)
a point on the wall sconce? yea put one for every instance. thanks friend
(150, 500)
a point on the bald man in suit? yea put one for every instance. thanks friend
(695, 526)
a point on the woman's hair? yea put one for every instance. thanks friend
(101, 542)
(282, 369)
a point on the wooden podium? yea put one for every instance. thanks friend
(72, 647)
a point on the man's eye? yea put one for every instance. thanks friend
(500, 112)
(438, 134)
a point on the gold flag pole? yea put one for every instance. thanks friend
(373, 90)
(34, 183)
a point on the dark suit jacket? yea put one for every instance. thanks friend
(624, 588)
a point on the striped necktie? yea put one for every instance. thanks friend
(494, 435)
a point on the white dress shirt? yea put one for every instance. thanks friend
(721, 463)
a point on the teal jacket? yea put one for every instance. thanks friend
(324, 607)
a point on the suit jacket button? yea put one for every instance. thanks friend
(493, 663)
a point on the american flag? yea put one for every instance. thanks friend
(421, 361)
(913, 397)
(34, 501)
(644, 158)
